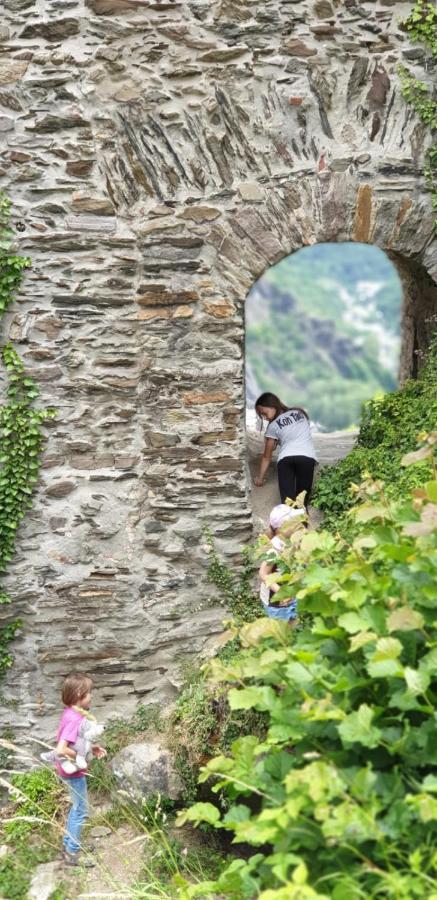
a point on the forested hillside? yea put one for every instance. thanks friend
(323, 330)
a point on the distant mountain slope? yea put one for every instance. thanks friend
(323, 330)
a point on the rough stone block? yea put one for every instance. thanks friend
(200, 213)
(45, 879)
(145, 770)
(296, 47)
(213, 437)
(54, 30)
(222, 310)
(223, 54)
(115, 7)
(99, 206)
(323, 9)
(60, 488)
(163, 297)
(12, 70)
(251, 191)
(79, 168)
(196, 398)
(60, 122)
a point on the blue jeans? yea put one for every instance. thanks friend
(287, 613)
(77, 814)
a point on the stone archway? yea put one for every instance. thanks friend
(418, 311)
(161, 155)
(299, 348)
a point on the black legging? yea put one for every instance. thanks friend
(295, 474)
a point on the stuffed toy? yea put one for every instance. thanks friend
(89, 731)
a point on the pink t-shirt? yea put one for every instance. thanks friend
(68, 731)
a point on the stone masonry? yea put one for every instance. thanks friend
(160, 155)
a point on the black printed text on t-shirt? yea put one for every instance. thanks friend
(290, 419)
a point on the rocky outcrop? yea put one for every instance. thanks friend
(146, 770)
(160, 155)
(45, 879)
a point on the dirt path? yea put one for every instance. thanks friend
(118, 858)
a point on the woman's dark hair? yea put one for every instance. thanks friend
(275, 403)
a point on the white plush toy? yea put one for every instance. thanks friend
(89, 731)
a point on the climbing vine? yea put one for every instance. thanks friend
(417, 94)
(421, 25)
(20, 433)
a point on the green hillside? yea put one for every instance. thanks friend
(323, 330)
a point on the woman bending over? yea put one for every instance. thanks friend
(289, 428)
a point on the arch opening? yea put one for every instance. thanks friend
(323, 331)
(327, 328)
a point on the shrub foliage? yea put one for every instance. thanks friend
(390, 426)
(339, 798)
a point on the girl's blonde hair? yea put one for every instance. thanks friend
(75, 687)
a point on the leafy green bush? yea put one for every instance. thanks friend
(339, 797)
(31, 830)
(390, 427)
(201, 722)
(37, 795)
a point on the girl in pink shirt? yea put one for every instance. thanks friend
(76, 697)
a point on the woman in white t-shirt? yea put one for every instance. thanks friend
(289, 428)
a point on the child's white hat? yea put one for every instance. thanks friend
(281, 513)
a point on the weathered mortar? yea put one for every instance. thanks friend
(161, 155)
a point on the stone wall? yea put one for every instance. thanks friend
(160, 156)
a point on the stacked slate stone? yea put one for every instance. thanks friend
(160, 155)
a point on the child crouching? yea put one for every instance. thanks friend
(284, 521)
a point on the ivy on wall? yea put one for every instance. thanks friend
(20, 432)
(421, 25)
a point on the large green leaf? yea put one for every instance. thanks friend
(357, 728)
(404, 619)
(417, 682)
(262, 697)
(352, 622)
(199, 812)
(384, 661)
